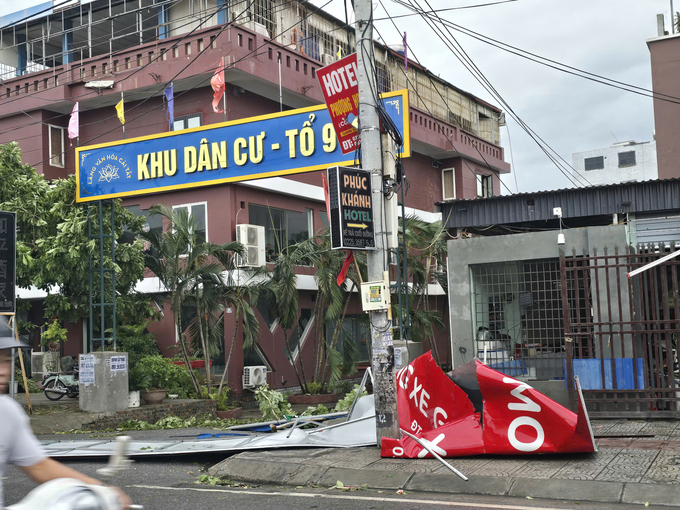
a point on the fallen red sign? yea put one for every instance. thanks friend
(479, 410)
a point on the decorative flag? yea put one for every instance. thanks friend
(325, 194)
(218, 86)
(170, 102)
(405, 52)
(339, 53)
(120, 111)
(345, 267)
(74, 123)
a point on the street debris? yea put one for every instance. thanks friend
(476, 410)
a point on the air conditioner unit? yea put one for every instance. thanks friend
(327, 58)
(252, 239)
(254, 376)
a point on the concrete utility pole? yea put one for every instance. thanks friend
(382, 346)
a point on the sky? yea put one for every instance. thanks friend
(572, 114)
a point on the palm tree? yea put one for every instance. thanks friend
(191, 270)
(426, 250)
(242, 287)
(330, 307)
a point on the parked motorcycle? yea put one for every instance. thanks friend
(58, 384)
(70, 494)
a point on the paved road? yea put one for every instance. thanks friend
(169, 483)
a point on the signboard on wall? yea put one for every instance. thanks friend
(340, 88)
(8, 258)
(278, 144)
(351, 221)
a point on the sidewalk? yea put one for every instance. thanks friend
(625, 469)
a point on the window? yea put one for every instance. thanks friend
(356, 330)
(56, 135)
(188, 121)
(197, 212)
(626, 159)
(484, 185)
(324, 218)
(518, 318)
(154, 223)
(382, 77)
(594, 163)
(301, 330)
(282, 228)
(448, 183)
(264, 306)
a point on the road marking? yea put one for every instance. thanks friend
(337, 496)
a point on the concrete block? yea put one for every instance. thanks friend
(450, 483)
(573, 490)
(109, 391)
(654, 494)
(374, 478)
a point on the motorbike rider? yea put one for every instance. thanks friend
(18, 445)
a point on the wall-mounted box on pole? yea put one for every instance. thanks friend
(351, 205)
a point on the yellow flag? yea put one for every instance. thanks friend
(339, 53)
(120, 111)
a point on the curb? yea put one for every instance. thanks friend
(281, 473)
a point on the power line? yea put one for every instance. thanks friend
(200, 83)
(447, 107)
(553, 64)
(469, 64)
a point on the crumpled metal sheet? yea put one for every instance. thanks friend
(477, 410)
(359, 430)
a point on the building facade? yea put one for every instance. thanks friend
(666, 86)
(545, 308)
(55, 58)
(622, 162)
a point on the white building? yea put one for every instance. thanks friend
(622, 162)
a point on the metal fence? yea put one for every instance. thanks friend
(621, 333)
(517, 316)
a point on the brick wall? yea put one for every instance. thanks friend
(152, 414)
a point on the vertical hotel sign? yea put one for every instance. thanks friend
(349, 191)
(8, 243)
(340, 88)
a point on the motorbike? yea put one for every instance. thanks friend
(71, 494)
(58, 384)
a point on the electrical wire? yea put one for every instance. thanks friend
(201, 82)
(553, 64)
(464, 160)
(151, 61)
(469, 64)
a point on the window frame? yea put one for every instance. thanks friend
(453, 175)
(586, 160)
(627, 156)
(484, 182)
(185, 118)
(61, 155)
(189, 205)
(303, 336)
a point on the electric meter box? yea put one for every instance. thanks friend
(375, 295)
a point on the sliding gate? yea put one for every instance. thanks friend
(621, 333)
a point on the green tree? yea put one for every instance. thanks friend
(192, 272)
(53, 248)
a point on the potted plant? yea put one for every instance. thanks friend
(222, 405)
(153, 377)
(52, 337)
(138, 380)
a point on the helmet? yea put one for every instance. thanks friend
(7, 340)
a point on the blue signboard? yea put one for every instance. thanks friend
(270, 145)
